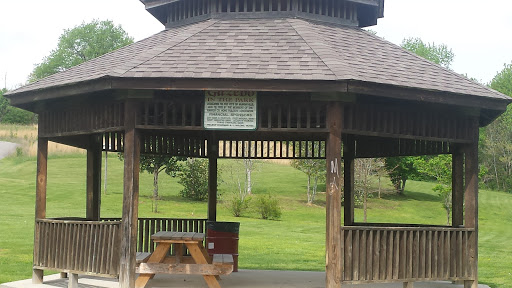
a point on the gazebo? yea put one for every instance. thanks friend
(263, 79)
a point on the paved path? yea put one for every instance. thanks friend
(7, 148)
(242, 279)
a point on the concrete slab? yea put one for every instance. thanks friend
(243, 278)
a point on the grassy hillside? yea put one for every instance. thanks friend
(296, 242)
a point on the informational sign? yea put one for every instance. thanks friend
(230, 110)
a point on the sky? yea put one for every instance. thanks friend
(479, 32)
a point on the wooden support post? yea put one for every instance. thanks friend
(73, 280)
(457, 187)
(471, 198)
(348, 182)
(333, 243)
(40, 213)
(94, 178)
(408, 284)
(130, 198)
(213, 153)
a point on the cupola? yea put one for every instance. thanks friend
(356, 13)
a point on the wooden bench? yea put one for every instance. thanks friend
(200, 263)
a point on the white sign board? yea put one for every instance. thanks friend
(230, 110)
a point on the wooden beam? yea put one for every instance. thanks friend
(130, 198)
(333, 247)
(40, 213)
(94, 178)
(348, 182)
(213, 152)
(471, 207)
(457, 186)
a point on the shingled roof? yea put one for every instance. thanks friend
(268, 49)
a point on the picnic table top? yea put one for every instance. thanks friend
(171, 235)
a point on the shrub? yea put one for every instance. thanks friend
(268, 207)
(238, 205)
(194, 178)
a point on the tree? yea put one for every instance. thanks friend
(194, 178)
(14, 115)
(496, 148)
(79, 44)
(439, 168)
(365, 169)
(313, 168)
(154, 164)
(439, 54)
(400, 169)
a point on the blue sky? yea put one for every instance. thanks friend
(479, 32)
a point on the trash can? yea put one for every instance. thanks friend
(222, 238)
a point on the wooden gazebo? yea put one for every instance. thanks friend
(306, 75)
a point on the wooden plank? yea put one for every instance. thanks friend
(199, 269)
(376, 256)
(334, 266)
(355, 254)
(362, 254)
(383, 255)
(391, 251)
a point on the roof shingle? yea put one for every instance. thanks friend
(286, 49)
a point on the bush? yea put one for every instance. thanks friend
(194, 178)
(238, 205)
(268, 207)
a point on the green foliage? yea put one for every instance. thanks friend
(14, 115)
(194, 178)
(439, 168)
(268, 207)
(400, 169)
(503, 80)
(167, 164)
(80, 44)
(495, 142)
(237, 205)
(439, 54)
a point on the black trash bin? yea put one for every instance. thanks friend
(222, 238)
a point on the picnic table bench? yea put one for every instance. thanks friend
(160, 262)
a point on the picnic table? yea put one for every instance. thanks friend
(199, 262)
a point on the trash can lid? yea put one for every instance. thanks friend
(231, 227)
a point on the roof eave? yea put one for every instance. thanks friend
(23, 99)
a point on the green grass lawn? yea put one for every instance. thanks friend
(296, 242)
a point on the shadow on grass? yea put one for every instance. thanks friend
(411, 195)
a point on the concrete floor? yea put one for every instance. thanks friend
(244, 278)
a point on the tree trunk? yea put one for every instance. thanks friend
(105, 178)
(379, 185)
(365, 199)
(248, 170)
(315, 185)
(309, 185)
(156, 171)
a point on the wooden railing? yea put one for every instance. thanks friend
(149, 226)
(77, 246)
(406, 254)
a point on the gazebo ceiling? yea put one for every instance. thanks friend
(284, 50)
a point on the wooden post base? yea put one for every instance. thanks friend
(408, 284)
(470, 284)
(37, 276)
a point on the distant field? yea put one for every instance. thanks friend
(296, 242)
